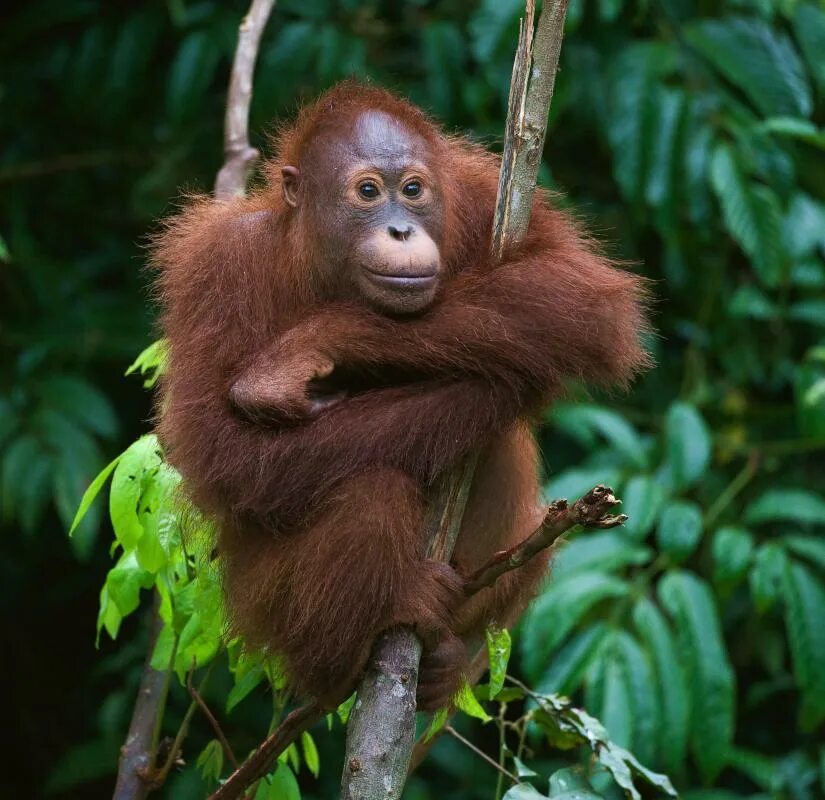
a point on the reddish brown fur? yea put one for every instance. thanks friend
(321, 523)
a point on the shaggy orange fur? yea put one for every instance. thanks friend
(321, 520)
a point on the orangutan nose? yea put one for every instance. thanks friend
(401, 232)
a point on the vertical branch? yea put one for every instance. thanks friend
(382, 724)
(138, 752)
(137, 775)
(239, 155)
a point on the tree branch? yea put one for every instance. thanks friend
(239, 155)
(261, 761)
(137, 754)
(380, 759)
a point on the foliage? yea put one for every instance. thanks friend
(691, 134)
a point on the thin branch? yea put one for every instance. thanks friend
(137, 754)
(491, 761)
(195, 695)
(261, 761)
(591, 511)
(239, 155)
(381, 753)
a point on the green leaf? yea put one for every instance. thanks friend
(732, 550)
(751, 212)
(438, 721)
(92, 492)
(688, 444)
(639, 679)
(571, 784)
(767, 575)
(670, 685)
(190, 74)
(680, 530)
(523, 791)
(559, 609)
(711, 678)
(210, 761)
(151, 363)
(465, 701)
(795, 128)
(810, 548)
(77, 399)
(573, 483)
(642, 500)
(787, 505)
(605, 550)
(758, 59)
(311, 757)
(279, 785)
(585, 422)
(804, 614)
(570, 662)
(498, 656)
(127, 483)
(608, 695)
(244, 686)
(809, 27)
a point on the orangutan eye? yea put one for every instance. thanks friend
(411, 189)
(368, 190)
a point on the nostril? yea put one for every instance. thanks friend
(400, 232)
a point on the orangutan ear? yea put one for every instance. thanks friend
(289, 184)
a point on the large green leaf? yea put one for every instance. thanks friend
(790, 505)
(585, 421)
(711, 678)
(642, 498)
(732, 550)
(127, 484)
(767, 574)
(606, 551)
(805, 615)
(570, 662)
(688, 443)
(680, 530)
(760, 60)
(809, 27)
(560, 608)
(670, 683)
(751, 213)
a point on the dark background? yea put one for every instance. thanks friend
(686, 132)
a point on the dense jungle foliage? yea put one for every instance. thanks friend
(689, 133)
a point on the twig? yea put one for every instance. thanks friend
(260, 762)
(137, 754)
(195, 695)
(383, 764)
(591, 511)
(239, 154)
(491, 761)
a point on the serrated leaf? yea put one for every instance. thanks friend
(680, 529)
(732, 551)
(466, 701)
(787, 505)
(758, 59)
(499, 645)
(711, 678)
(670, 685)
(751, 213)
(804, 614)
(767, 574)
